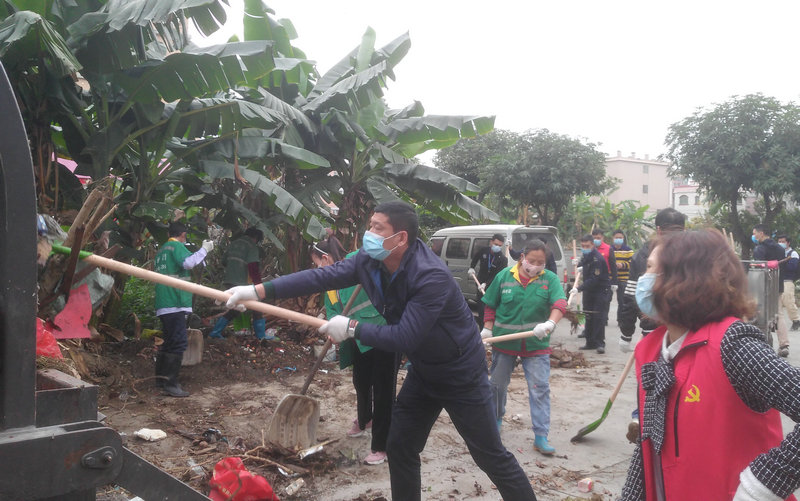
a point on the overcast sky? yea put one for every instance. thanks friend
(612, 72)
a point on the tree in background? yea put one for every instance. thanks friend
(746, 144)
(586, 213)
(544, 171)
(467, 158)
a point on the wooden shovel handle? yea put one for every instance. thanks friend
(201, 290)
(622, 377)
(327, 345)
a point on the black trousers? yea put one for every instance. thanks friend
(596, 304)
(472, 410)
(620, 295)
(374, 380)
(174, 326)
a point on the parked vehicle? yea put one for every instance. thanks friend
(457, 246)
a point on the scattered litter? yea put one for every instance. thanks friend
(311, 450)
(295, 486)
(196, 468)
(585, 484)
(212, 435)
(150, 435)
(278, 369)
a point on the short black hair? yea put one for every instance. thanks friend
(597, 231)
(330, 246)
(670, 220)
(785, 237)
(587, 238)
(254, 233)
(402, 217)
(620, 232)
(499, 236)
(176, 229)
(763, 228)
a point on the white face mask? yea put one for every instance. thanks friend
(531, 270)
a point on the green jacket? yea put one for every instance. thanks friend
(240, 253)
(169, 261)
(362, 310)
(519, 308)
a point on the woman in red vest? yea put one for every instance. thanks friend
(710, 389)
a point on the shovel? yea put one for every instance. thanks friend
(593, 426)
(480, 287)
(294, 422)
(200, 290)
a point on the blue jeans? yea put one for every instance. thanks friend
(537, 373)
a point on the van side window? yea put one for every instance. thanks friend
(436, 244)
(457, 248)
(478, 245)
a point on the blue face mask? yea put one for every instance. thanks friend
(373, 245)
(597, 242)
(754, 239)
(619, 241)
(586, 251)
(644, 295)
(783, 244)
(496, 248)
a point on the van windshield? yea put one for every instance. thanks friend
(520, 238)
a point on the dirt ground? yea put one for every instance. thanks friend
(240, 382)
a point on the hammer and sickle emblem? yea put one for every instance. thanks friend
(693, 394)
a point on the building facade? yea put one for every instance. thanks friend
(644, 180)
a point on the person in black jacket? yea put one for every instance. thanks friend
(596, 288)
(768, 249)
(492, 261)
(428, 319)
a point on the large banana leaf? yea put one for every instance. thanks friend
(279, 198)
(257, 144)
(25, 35)
(418, 134)
(198, 72)
(214, 116)
(431, 175)
(352, 92)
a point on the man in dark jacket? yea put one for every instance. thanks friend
(768, 249)
(667, 220)
(492, 260)
(596, 288)
(429, 320)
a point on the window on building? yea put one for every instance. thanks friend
(683, 200)
(697, 200)
(644, 188)
(645, 169)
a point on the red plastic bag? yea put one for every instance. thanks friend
(232, 482)
(46, 344)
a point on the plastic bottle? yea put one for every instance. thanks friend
(295, 486)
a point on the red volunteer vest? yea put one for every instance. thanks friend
(711, 435)
(604, 249)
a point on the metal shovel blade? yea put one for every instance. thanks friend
(294, 424)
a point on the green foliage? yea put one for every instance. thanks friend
(545, 171)
(467, 158)
(139, 299)
(746, 144)
(586, 213)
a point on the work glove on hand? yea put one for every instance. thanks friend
(614, 288)
(575, 261)
(579, 269)
(625, 346)
(338, 329)
(486, 333)
(751, 489)
(241, 293)
(471, 272)
(208, 245)
(542, 330)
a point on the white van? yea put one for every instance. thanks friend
(457, 246)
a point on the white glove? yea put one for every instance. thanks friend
(208, 245)
(542, 330)
(337, 329)
(241, 293)
(751, 489)
(486, 333)
(614, 288)
(579, 269)
(471, 272)
(625, 346)
(575, 261)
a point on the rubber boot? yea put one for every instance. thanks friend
(216, 332)
(541, 445)
(260, 328)
(172, 363)
(161, 375)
